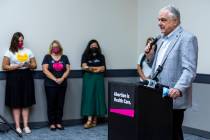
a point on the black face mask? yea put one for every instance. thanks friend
(94, 50)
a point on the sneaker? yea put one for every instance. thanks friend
(19, 130)
(27, 130)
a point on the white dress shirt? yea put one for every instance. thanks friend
(163, 48)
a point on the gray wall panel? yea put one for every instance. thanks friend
(196, 118)
(72, 99)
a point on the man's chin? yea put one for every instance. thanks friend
(162, 31)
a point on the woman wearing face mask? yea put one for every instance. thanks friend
(56, 67)
(18, 62)
(93, 93)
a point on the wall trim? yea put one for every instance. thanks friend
(197, 132)
(67, 123)
(44, 124)
(200, 78)
(187, 130)
(38, 125)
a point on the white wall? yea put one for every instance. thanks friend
(121, 27)
(198, 116)
(73, 22)
(195, 18)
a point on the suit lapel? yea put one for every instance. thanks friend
(170, 47)
(159, 44)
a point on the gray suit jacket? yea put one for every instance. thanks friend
(179, 68)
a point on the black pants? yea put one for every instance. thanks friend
(178, 116)
(55, 102)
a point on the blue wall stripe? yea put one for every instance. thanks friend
(200, 78)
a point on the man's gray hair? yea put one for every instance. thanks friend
(173, 10)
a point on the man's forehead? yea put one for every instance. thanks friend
(164, 12)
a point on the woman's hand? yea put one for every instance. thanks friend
(92, 69)
(59, 80)
(98, 69)
(95, 69)
(15, 66)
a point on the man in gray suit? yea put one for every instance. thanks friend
(177, 53)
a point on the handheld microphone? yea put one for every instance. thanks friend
(149, 83)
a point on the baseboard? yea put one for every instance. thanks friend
(38, 125)
(187, 130)
(197, 132)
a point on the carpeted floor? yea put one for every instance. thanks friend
(71, 133)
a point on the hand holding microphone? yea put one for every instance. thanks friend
(150, 45)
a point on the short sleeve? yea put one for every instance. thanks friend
(66, 60)
(84, 59)
(30, 53)
(46, 59)
(139, 59)
(8, 54)
(103, 62)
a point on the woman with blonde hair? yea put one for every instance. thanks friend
(56, 68)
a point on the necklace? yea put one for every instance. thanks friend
(56, 57)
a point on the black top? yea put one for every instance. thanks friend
(94, 61)
(57, 68)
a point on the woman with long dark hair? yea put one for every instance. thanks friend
(144, 64)
(93, 92)
(18, 62)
